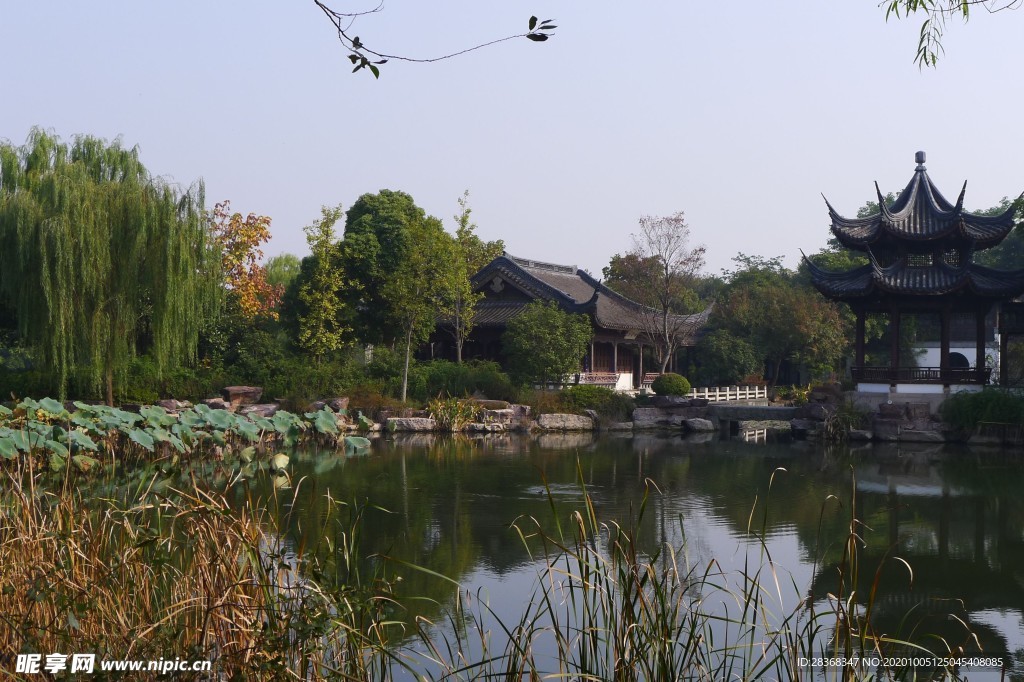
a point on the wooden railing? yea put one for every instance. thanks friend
(723, 393)
(606, 379)
(921, 375)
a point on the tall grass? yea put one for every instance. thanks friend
(147, 575)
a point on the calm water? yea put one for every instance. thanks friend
(955, 514)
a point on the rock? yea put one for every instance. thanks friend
(565, 422)
(699, 402)
(594, 416)
(669, 401)
(816, 411)
(339, 405)
(802, 428)
(217, 404)
(316, 406)
(131, 407)
(892, 410)
(491, 404)
(620, 426)
(241, 395)
(859, 435)
(267, 410)
(653, 418)
(520, 411)
(697, 425)
(919, 410)
(478, 427)
(173, 406)
(504, 416)
(411, 424)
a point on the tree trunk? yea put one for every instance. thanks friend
(458, 349)
(110, 386)
(405, 372)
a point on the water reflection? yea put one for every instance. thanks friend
(448, 504)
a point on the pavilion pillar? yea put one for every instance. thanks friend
(615, 356)
(979, 338)
(944, 316)
(1004, 346)
(894, 345)
(859, 347)
(592, 355)
(640, 383)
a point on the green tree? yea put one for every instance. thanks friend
(472, 253)
(726, 359)
(282, 269)
(416, 290)
(544, 344)
(375, 246)
(661, 273)
(321, 325)
(99, 258)
(764, 305)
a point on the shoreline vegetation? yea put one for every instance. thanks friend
(143, 571)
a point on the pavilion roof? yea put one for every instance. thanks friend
(920, 217)
(900, 278)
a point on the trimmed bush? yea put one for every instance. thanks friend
(605, 401)
(671, 384)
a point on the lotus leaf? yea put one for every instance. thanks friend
(53, 407)
(27, 440)
(157, 416)
(5, 411)
(57, 447)
(81, 440)
(357, 442)
(247, 429)
(326, 422)
(142, 438)
(8, 450)
(57, 463)
(84, 463)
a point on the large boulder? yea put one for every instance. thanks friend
(218, 404)
(339, 405)
(698, 425)
(411, 424)
(237, 396)
(653, 418)
(173, 406)
(565, 422)
(504, 416)
(265, 410)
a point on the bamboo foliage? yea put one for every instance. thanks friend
(98, 257)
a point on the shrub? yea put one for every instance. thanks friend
(606, 402)
(963, 411)
(671, 384)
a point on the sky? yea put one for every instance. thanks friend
(740, 114)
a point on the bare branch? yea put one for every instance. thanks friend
(363, 57)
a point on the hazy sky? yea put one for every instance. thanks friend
(741, 114)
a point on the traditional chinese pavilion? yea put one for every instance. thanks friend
(920, 254)
(616, 355)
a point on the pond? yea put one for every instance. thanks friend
(460, 508)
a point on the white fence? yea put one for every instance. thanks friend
(723, 393)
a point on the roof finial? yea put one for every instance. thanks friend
(919, 159)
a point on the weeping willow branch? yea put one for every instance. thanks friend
(98, 257)
(363, 57)
(937, 12)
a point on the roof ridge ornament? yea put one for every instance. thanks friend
(919, 159)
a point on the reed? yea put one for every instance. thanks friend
(147, 574)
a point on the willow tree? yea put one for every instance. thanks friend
(99, 259)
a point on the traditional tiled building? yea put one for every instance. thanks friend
(920, 254)
(616, 355)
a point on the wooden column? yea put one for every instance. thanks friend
(894, 345)
(979, 318)
(641, 381)
(1004, 369)
(859, 347)
(615, 356)
(944, 316)
(592, 356)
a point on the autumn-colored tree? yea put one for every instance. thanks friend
(240, 239)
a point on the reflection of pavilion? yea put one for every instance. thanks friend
(955, 538)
